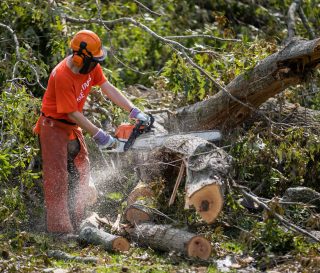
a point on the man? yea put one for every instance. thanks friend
(67, 187)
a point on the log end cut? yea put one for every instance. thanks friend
(208, 202)
(141, 191)
(136, 216)
(120, 244)
(199, 247)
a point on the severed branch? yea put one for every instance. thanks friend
(27, 82)
(276, 215)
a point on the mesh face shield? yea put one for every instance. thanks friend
(88, 66)
(89, 63)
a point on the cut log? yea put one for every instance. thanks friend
(208, 201)
(90, 233)
(139, 201)
(207, 169)
(110, 242)
(141, 191)
(166, 238)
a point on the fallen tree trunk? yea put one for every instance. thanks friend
(287, 67)
(164, 237)
(91, 234)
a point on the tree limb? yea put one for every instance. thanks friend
(294, 7)
(306, 24)
(15, 39)
(146, 8)
(287, 67)
(203, 36)
(137, 24)
(60, 255)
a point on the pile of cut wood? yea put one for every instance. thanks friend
(203, 166)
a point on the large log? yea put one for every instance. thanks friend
(288, 67)
(164, 237)
(91, 234)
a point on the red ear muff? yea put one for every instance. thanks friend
(77, 59)
(78, 56)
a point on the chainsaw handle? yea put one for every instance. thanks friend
(138, 131)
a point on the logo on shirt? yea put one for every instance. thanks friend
(84, 86)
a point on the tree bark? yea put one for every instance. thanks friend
(287, 67)
(164, 237)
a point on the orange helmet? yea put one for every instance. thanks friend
(87, 44)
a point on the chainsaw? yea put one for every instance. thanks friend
(140, 136)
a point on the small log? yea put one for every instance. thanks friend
(164, 237)
(207, 169)
(140, 191)
(110, 242)
(90, 233)
(138, 202)
(136, 214)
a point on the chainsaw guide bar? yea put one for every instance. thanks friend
(150, 140)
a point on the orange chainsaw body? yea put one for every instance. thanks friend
(124, 131)
(128, 133)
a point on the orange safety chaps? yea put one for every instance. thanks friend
(54, 139)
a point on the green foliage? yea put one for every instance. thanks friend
(272, 162)
(307, 95)
(182, 78)
(275, 238)
(18, 148)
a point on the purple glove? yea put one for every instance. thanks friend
(103, 140)
(135, 113)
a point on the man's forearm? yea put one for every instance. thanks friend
(83, 122)
(116, 96)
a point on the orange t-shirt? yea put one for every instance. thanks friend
(67, 91)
